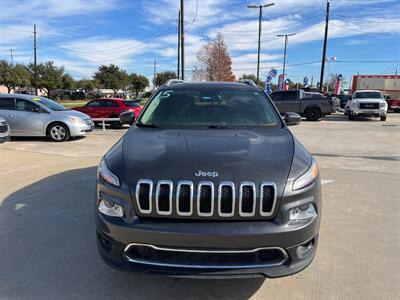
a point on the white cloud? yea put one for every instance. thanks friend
(44, 9)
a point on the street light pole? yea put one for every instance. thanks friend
(260, 7)
(284, 53)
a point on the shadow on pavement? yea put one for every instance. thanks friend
(343, 118)
(48, 250)
(41, 139)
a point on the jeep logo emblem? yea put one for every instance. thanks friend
(201, 173)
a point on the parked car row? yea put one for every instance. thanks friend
(28, 115)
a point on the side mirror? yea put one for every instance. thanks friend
(36, 110)
(292, 119)
(127, 117)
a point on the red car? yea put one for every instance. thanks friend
(109, 108)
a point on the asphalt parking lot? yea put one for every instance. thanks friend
(47, 233)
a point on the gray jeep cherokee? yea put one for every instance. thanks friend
(209, 182)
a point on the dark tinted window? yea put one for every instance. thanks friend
(7, 104)
(111, 103)
(276, 96)
(366, 95)
(131, 104)
(93, 104)
(207, 106)
(25, 105)
(290, 95)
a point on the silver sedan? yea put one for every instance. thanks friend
(29, 115)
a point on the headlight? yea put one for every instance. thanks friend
(306, 178)
(382, 104)
(110, 208)
(104, 173)
(353, 103)
(76, 121)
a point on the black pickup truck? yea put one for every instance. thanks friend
(312, 106)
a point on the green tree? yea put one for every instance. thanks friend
(137, 83)
(86, 84)
(13, 76)
(163, 77)
(67, 82)
(49, 76)
(112, 77)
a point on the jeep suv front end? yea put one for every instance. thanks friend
(208, 183)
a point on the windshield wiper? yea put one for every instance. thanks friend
(215, 126)
(151, 125)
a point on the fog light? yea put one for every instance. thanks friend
(302, 213)
(304, 250)
(110, 208)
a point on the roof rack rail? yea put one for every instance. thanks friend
(173, 81)
(248, 82)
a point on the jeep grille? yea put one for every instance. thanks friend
(224, 200)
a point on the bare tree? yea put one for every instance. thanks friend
(215, 60)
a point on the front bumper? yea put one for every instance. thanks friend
(115, 234)
(368, 112)
(79, 130)
(4, 138)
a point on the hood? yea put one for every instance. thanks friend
(236, 155)
(69, 113)
(368, 100)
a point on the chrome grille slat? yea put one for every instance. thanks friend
(223, 199)
(267, 213)
(242, 198)
(139, 196)
(202, 190)
(161, 196)
(180, 197)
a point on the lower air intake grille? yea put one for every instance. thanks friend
(192, 258)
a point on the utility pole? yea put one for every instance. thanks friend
(260, 7)
(34, 58)
(182, 40)
(321, 80)
(179, 46)
(12, 59)
(284, 53)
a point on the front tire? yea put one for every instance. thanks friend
(313, 114)
(58, 132)
(351, 117)
(383, 118)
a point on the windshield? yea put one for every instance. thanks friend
(364, 95)
(130, 104)
(210, 107)
(49, 104)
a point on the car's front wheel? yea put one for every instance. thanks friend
(383, 118)
(58, 132)
(313, 114)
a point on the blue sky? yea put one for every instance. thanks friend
(82, 34)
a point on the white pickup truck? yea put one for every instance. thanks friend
(368, 103)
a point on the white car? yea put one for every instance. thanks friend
(368, 103)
